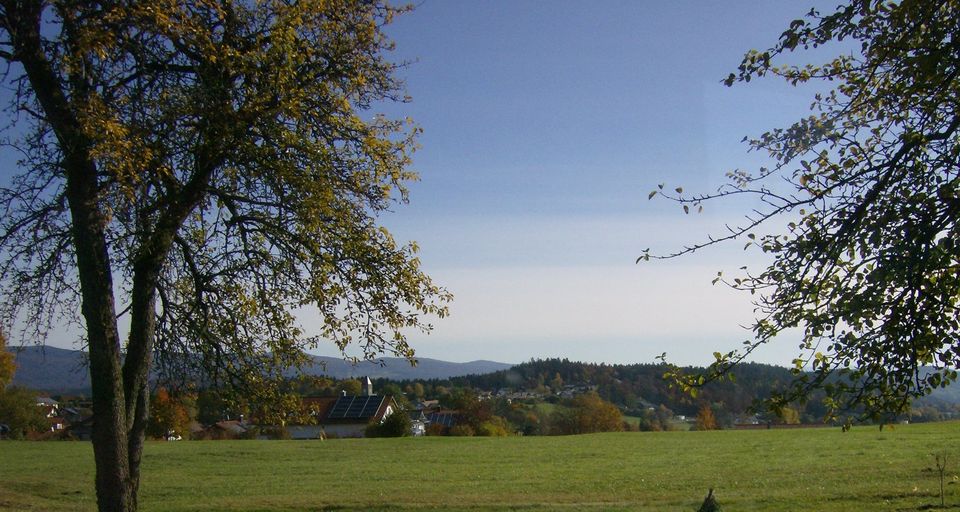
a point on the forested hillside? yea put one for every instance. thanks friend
(636, 388)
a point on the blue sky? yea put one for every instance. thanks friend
(545, 126)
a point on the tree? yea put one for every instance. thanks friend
(19, 412)
(867, 266)
(351, 387)
(556, 383)
(705, 418)
(7, 364)
(18, 406)
(215, 164)
(790, 416)
(587, 413)
(167, 416)
(210, 407)
(418, 390)
(393, 390)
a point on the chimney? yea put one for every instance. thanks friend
(367, 387)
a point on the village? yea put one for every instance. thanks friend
(535, 398)
(328, 417)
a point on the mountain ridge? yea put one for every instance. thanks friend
(64, 371)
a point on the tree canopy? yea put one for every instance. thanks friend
(867, 187)
(205, 170)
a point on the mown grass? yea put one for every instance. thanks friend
(815, 469)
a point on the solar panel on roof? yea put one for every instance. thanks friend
(356, 407)
(371, 407)
(445, 419)
(340, 408)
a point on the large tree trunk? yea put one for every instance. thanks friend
(110, 447)
(136, 368)
(115, 492)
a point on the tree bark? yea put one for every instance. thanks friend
(137, 365)
(111, 451)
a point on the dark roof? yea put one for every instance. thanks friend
(354, 409)
(234, 426)
(445, 418)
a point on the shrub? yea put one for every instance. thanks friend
(18, 410)
(436, 429)
(395, 425)
(495, 427)
(462, 430)
(276, 433)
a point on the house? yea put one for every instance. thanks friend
(443, 418)
(344, 415)
(51, 411)
(45, 401)
(227, 429)
(351, 414)
(427, 404)
(50, 407)
(318, 408)
(82, 430)
(418, 423)
(76, 414)
(56, 423)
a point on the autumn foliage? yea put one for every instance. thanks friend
(587, 413)
(706, 419)
(168, 416)
(7, 364)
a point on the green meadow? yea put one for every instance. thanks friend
(809, 469)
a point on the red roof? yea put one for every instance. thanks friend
(318, 406)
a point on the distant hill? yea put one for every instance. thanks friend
(51, 369)
(399, 369)
(57, 370)
(635, 387)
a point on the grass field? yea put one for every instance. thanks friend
(815, 469)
